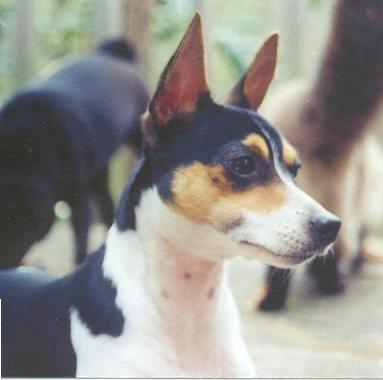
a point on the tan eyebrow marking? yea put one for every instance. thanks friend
(289, 154)
(257, 144)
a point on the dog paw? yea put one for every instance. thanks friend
(264, 300)
(271, 304)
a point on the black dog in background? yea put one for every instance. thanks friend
(57, 135)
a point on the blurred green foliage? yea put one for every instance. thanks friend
(6, 59)
(4, 17)
(62, 27)
(235, 30)
(169, 18)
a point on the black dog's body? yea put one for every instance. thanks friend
(56, 137)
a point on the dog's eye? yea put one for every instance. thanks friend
(243, 165)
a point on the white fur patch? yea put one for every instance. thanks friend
(175, 325)
(282, 234)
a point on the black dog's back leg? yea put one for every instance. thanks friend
(277, 283)
(325, 272)
(103, 197)
(80, 221)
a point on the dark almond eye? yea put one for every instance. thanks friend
(243, 165)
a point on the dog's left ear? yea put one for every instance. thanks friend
(183, 80)
(252, 87)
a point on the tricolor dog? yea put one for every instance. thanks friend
(213, 182)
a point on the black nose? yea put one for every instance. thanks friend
(326, 228)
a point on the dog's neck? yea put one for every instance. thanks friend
(163, 267)
(170, 291)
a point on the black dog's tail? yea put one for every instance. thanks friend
(119, 48)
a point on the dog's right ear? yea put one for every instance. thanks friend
(181, 84)
(252, 87)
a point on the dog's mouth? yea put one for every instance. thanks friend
(290, 259)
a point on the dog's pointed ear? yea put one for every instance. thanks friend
(183, 80)
(252, 87)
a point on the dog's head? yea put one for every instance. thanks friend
(226, 168)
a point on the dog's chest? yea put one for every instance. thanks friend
(151, 352)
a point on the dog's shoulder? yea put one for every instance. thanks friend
(94, 298)
(36, 316)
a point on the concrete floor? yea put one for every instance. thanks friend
(330, 337)
(339, 336)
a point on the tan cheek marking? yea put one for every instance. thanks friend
(289, 154)
(257, 144)
(203, 193)
(196, 189)
(217, 176)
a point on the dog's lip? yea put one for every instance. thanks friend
(296, 258)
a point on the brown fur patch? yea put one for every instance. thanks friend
(289, 154)
(195, 188)
(257, 144)
(202, 193)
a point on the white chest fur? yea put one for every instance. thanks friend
(180, 317)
